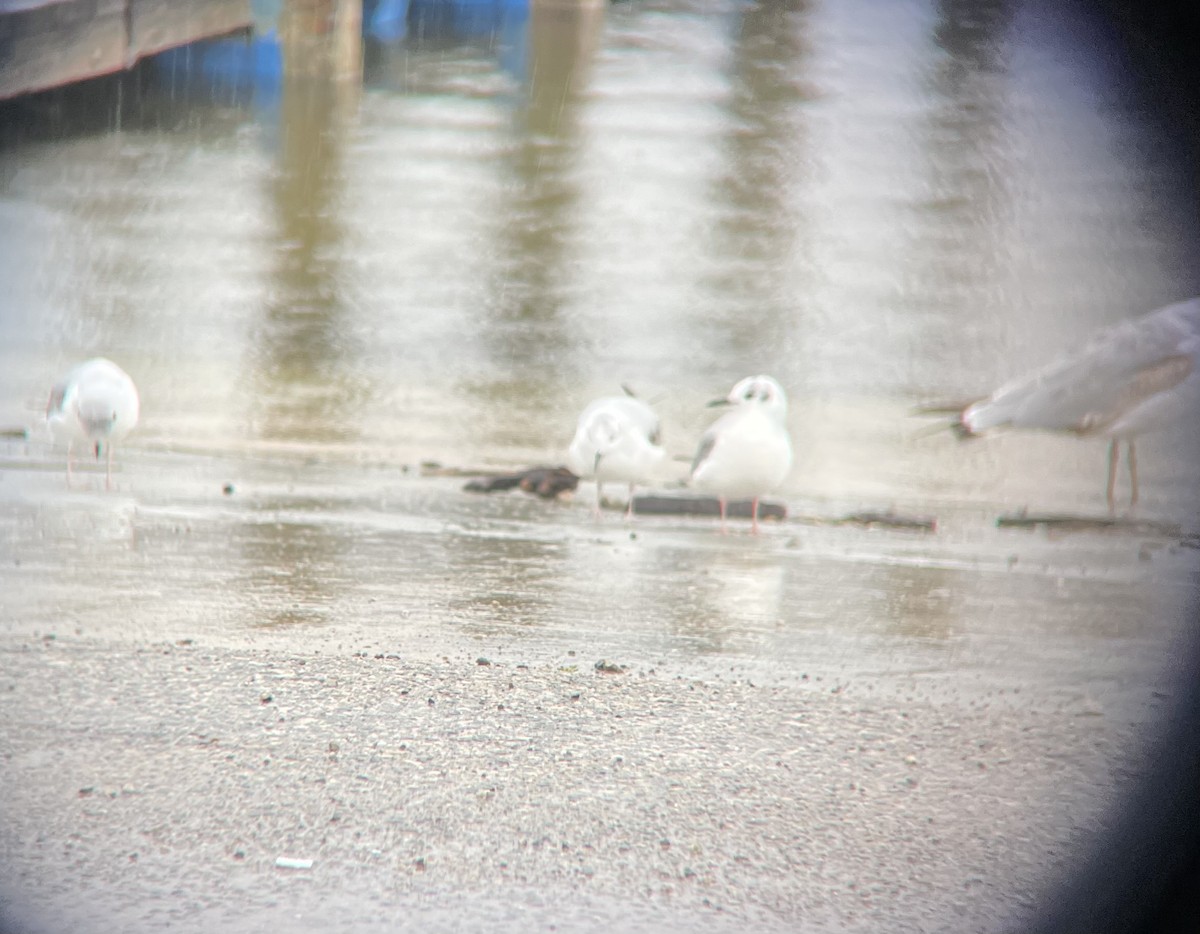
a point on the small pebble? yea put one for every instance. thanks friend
(288, 862)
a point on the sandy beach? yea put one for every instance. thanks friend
(155, 785)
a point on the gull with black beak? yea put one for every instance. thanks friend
(747, 451)
(95, 404)
(617, 439)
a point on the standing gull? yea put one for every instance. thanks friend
(747, 451)
(95, 404)
(1131, 378)
(618, 439)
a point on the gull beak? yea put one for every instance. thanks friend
(717, 402)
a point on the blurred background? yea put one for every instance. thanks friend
(520, 207)
(335, 252)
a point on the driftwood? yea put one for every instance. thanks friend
(1061, 522)
(889, 519)
(546, 482)
(872, 518)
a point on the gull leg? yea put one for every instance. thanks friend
(721, 502)
(629, 510)
(108, 467)
(1133, 480)
(70, 450)
(754, 516)
(599, 496)
(1114, 455)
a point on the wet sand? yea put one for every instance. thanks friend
(826, 727)
(151, 784)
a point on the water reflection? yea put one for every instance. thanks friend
(529, 346)
(736, 604)
(304, 385)
(760, 602)
(768, 166)
(501, 585)
(968, 173)
(292, 570)
(915, 602)
(307, 386)
(562, 40)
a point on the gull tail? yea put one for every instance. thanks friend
(652, 401)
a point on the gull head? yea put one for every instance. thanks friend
(98, 419)
(761, 391)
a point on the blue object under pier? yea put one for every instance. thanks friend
(248, 66)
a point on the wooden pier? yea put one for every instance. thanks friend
(46, 43)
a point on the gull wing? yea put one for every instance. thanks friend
(707, 442)
(1088, 391)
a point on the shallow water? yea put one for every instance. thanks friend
(319, 291)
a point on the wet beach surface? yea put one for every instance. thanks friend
(490, 711)
(285, 633)
(457, 796)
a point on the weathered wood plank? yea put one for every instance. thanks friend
(546, 482)
(43, 45)
(59, 42)
(155, 25)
